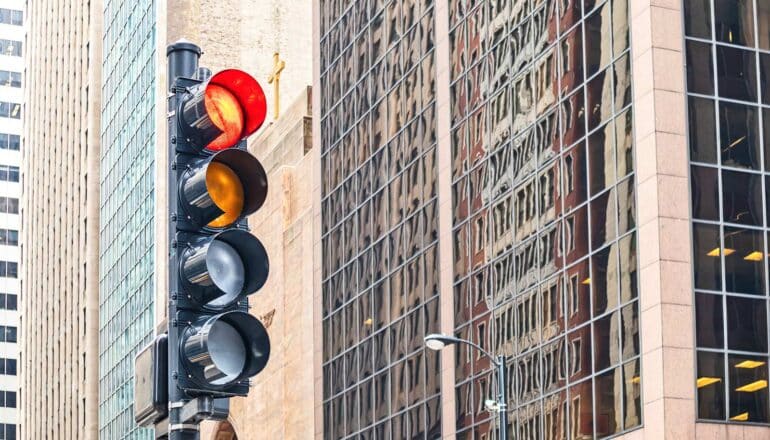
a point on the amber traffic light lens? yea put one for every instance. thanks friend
(226, 192)
(226, 114)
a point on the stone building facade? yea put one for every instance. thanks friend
(60, 221)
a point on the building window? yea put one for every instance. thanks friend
(8, 399)
(12, 79)
(8, 367)
(9, 269)
(9, 173)
(9, 301)
(11, 16)
(730, 168)
(7, 333)
(10, 47)
(10, 110)
(9, 237)
(10, 142)
(7, 431)
(9, 205)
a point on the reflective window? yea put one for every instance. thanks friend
(728, 132)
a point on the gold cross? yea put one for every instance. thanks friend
(274, 79)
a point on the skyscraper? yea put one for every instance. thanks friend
(11, 99)
(579, 186)
(60, 207)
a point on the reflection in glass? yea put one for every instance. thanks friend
(748, 388)
(604, 279)
(737, 73)
(606, 340)
(601, 151)
(702, 134)
(700, 73)
(704, 187)
(709, 321)
(706, 252)
(744, 261)
(739, 135)
(746, 324)
(581, 411)
(632, 386)
(734, 21)
(711, 385)
(598, 35)
(697, 18)
(742, 198)
(629, 318)
(603, 218)
(608, 392)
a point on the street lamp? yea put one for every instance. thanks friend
(437, 341)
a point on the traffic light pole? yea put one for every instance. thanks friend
(182, 58)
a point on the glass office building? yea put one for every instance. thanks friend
(379, 216)
(728, 93)
(126, 318)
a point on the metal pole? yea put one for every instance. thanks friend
(502, 400)
(182, 58)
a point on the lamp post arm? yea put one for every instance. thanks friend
(492, 358)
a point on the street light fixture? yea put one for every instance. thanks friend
(438, 341)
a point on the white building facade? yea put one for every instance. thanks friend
(11, 112)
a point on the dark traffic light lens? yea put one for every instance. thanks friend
(226, 270)
(228, 354)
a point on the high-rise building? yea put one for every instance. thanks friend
(11, 103)
(60, 223)
(579, 186)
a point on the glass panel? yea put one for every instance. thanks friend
(704, 184)
(736, 72)
(598, 34)
(606, 341)
(697, 18)
(748, 388)
(741, 198)
(734, 21)
(632, 404)
(700, 73)
(581, 421)
(739, 135)
(706, 252)
(744, 261)
(601, 151)
(629, 318)
(709, 321)
(702, 124)
(608, 392)
(746, 324)
(604, 280)
(711, 385)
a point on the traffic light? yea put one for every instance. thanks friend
(214, 344)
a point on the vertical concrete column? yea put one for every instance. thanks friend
(444, 159)
(665, 245)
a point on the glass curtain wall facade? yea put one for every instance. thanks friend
(544, 217)
(379, 219)
(126, 314)
(728, 85)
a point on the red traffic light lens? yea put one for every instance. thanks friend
(243, 89)
(226, 114)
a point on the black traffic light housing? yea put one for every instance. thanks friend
(214, 344)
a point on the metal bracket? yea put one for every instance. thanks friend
(204, 408)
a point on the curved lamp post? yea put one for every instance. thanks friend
(437, 341)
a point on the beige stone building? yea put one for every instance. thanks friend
(60, 223)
